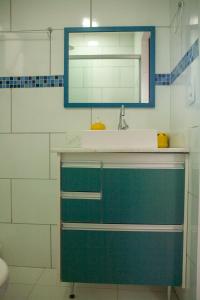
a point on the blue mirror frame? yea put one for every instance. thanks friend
(69, 30)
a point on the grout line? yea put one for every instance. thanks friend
(175, 293)
(11, 111)
(117, 291)
(11, 201)
(34, 285)
(91, 121)
(27, 178)
(31, 224)
(51, 262)
(11, 15)
(49, 155)
(90, 13)
(54, 29)
(50, 50)
(28, 132)
(31, 267)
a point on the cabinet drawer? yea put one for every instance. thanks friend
(143, 196)
(152, 258)
(80, 179)
(81, 210)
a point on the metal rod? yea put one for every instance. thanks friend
(72, 294)
(169, 292)
(24, 31)
(105, 56)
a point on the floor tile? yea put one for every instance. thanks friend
(148, 288)
(17, 291)
(97, 286)
(143, 295)
(49, 293)
(24, 275)
(49, 277)
(95, 294)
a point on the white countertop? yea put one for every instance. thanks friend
(120, 150)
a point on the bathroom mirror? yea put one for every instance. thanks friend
(109, 66)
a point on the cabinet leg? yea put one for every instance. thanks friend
(169, 292)
(72, 294)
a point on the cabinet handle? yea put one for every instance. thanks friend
(81, 195)
(122, 227)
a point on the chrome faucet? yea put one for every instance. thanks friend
(122, 125)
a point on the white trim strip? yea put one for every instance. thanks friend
(122, 227)
(144, 166)
(81, 195)
(81, 164)
(111, 165)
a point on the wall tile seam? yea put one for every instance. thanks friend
(191, 260)
(27, 223)
(28, 178)
(192, 195)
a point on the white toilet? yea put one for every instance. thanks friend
(3, 277)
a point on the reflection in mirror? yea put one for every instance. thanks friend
(109, 67)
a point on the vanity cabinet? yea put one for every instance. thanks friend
(143, 196)
(122, 218)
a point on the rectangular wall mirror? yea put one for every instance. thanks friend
(109, 66)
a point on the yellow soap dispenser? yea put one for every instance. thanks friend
(98, 125)
(163, 140)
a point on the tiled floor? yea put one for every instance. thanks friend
(40, 284)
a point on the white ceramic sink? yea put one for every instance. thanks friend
(119, 139)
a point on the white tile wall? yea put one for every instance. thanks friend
(5, 110)
(50, 13)
(53, 245)
(5, 200)
(57, 52)
(34, 201)
(131, 12)
(26, 245)
(5, 15)
(162, 50)
(24, 54)
(24, 156)
(43, 111)
(34, 120)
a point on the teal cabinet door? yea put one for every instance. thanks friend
(80, 179)
(143, 196)
(152, 258)
(81, 210)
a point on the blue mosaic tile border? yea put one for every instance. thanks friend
(186, 60)
(162, 79)
(32, 81)
(58, 80)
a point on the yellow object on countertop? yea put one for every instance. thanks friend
(98, 126)
(163, 140)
